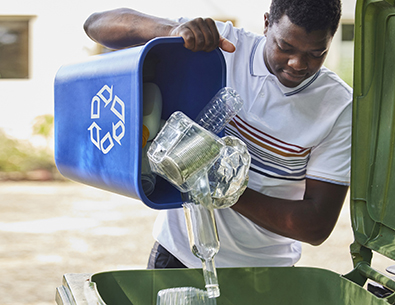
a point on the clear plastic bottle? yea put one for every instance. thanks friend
(229, 175)
(220, 110)
(148, 178)
(204, 243)
(184, 296)
(152, 111)
(181, 150)
(202, 231)
(182, 153)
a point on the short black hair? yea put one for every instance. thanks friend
(312, 15)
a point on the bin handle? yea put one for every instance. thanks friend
(368, 272)
(91, 294)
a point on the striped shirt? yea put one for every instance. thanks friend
(271, 157)
(291, 133)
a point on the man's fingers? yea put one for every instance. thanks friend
(212, 35)
(205, 35)
(226, 45)
(186, 33)
(202, 35)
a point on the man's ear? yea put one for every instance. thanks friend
(265, 23)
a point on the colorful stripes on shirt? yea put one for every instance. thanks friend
(270, 157)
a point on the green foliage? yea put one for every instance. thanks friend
(346, 72)
(19, 159)
(43, 125)
(21, 156)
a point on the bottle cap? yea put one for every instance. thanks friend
(145, 135)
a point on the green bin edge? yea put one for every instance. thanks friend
(271, 285)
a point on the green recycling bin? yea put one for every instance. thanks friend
(239, 286)
(372, 206)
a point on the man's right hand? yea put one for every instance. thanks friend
(202, 35)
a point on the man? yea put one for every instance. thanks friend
(296, 122)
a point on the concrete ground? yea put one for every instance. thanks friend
(48, 229)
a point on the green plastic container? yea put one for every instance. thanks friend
(373, 166)
(275, 285)
(372, 203)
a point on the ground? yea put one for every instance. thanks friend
(48, 229)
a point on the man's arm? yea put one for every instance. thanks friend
(309, 220)
(123, 28)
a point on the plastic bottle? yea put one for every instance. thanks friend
(145, 135)
(203, 241)
(152, 108)
(220, 110)
(184, 296)
(181, 149)
(214, 117)
(148, 178)
(152, 112)
(182, 153)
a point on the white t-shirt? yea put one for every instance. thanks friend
(291, 133)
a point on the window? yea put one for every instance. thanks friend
(14, 47)
(347, 32)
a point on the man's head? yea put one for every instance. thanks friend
(299, 34)
(311, 15)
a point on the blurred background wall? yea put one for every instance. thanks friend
(37, 37)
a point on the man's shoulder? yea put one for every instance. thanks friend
(331, 87)
(330, 78)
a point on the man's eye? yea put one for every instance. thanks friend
(283, 49)
(318, 55)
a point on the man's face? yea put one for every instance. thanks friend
(291, 53)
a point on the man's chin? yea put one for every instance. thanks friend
(290, 80)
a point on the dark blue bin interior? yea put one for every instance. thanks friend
(187, 81)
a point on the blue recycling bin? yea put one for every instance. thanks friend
(98, 112)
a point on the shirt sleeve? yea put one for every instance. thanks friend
(330, 161)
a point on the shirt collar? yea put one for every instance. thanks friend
(258, 68)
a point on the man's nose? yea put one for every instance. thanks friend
(298, 62)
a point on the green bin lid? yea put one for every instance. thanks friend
(373, 143)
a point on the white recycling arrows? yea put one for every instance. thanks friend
(106, 143)
(95, 107)
(95, 137)
(120, 115)
(103, 98)
(119, 136)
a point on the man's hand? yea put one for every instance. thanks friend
(202, 35)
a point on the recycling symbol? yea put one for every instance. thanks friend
(117, 131)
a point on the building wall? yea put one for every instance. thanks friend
(57, 38)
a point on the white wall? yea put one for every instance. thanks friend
(57, 37)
